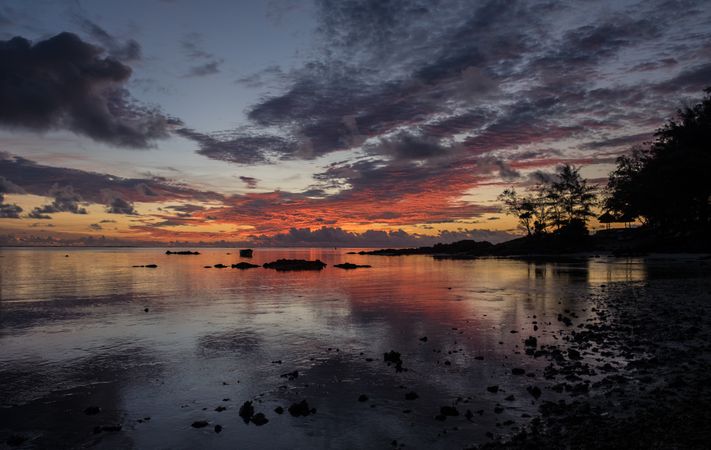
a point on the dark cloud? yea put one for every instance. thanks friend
(65, 83)
(38, 179)
(116, 204)
(250, 182)
(65, 200)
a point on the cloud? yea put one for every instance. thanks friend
(116, 204)
(127, 51)
(38, 179)
(96, 227)
(65, 200)
(202, 70)
(250, 182)
(65, 83)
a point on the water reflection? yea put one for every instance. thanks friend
(78, 326)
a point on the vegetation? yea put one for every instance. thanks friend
(666, 184)
(562, 203)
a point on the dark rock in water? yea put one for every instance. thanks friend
(450, 411)
(441, 417)
(244, 265)
(246, 411)
(219, 266)
(110, 428)
(218, 428)
(574, 354)
(531, 342)
(301, 409)
(145, 310)
(291, 376)
(199, 424)
(493, 389)
(348, 265)
(207, 267)
(469, 415)
(423, 339)
(220, 408)
(15, 440)
(518, 371)
(149, 266)
(279, 410)
(411, 396)
(182, 252)
(294, 264)
(363, 398)
(259, 419)
(92, 410)
(393, 357)
(246, 253)
(535, 391)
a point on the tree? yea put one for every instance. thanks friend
(521, 208)
(562, 200)
(667, 183)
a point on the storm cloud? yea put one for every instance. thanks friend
(65, 83)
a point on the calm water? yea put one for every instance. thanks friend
(74, 333)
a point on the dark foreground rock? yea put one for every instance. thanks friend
(349, 266)
(633, 375)
(294, 264)
(181, 252)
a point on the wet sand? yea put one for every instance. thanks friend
(104, 355)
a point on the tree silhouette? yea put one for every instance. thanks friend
(667, 184)
(564, 201)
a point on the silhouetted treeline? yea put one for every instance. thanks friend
(666, 184)
(561, 203)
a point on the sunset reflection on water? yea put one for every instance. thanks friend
(74, 331)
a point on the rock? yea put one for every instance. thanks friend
(423, 338)
(207, 267)
(469, 415)
(283, 265)
(151, 266)
(393, 357)
(92, 410)
(246, 411)
(449, 411)
(574, 354)
(411, 396)
(220, 408)
(218, 428)
(15, 440)
(199, 424)
(244, 265)
(363, 398)
(219, 266)
(182, 252)
(518, 371)
(349, 266)
(145, 309)
(246, 253)
(291, 376)
(301, 409)
(531, 342)
(493, 389)
(259, 419)
(279, 410)
(535, 391)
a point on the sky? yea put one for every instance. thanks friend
(284, 122)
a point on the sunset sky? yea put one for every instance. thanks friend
(340, 122)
